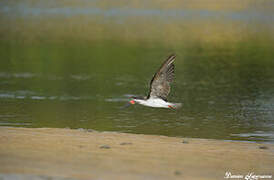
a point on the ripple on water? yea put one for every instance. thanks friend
(28, 75)
(116, 99)
(2, 123)
(257, 135)
(30, 95)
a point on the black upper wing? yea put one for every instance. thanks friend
(160, 83)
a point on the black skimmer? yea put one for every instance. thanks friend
(160, 87)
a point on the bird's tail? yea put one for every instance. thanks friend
(177, 105)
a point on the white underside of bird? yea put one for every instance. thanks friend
(158, 103)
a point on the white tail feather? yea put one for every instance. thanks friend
(177, 105)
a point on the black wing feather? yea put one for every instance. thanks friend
(160, 83)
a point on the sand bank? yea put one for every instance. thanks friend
(78, 154)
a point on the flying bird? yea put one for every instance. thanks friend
(160, 87)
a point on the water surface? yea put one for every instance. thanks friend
(76, 67)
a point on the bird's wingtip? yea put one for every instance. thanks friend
(173, 55)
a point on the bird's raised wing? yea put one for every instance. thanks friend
(160, 83)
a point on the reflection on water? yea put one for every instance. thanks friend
(165, 14)
(55, 76)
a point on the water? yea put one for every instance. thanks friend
(77, 67)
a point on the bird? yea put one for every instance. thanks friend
(160, 87)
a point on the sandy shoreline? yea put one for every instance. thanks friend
(77, 154)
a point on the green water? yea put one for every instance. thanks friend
(74, 81)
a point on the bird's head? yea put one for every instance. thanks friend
(135, 99)
(132, 101)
